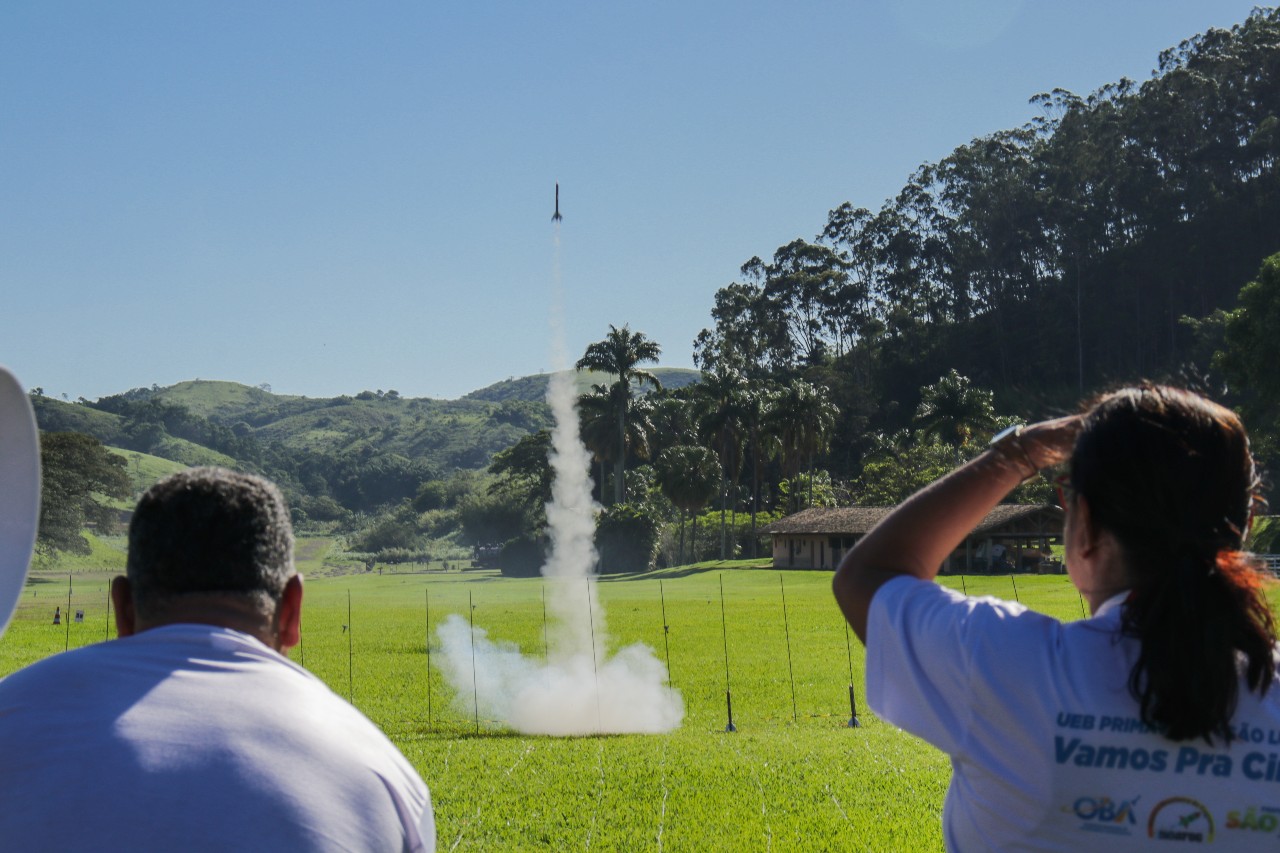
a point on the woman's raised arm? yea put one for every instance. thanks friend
(918, 535)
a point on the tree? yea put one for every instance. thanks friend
(77, 473)
(398, 529)
(814, 487)
(525, 468)
(721, 422)
(788, 313)
(688, 476)
(371, 481)
(897, 467)
(757, 405)
(618, 354)
(953, 409)
(597, 423)
(803, 419)
(1249, 355)
(597, 414)
(748, 335)
(1251, 347)
(626, 539)
(674, 417)
(494, 518)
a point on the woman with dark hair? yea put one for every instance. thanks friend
(1152, 720)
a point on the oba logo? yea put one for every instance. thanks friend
(1106, 810)
(1180, 819)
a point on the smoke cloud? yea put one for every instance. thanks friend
(577, 689)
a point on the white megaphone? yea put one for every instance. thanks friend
(19, 492)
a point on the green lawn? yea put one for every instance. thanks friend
(792, 777)
(143, 470)
(106, 553)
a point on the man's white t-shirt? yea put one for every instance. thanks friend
(1047, 748)
(193, 737)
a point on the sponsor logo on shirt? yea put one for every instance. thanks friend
(1105, 814)
(1180, 819)
(1254, 819)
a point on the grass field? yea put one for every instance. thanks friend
(106, 553)
(793, 777)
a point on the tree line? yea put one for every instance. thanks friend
(1101, 242)
(1042, 261)
(745, 447)
(728, 451)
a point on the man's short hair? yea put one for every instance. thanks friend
(209, 531)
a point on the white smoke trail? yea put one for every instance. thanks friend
(571, 523)
(578, 689)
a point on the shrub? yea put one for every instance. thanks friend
(522, 557)
(396, 531)
(627, 539)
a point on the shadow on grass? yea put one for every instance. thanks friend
(59, 579)
(692, 569)
(455, 730)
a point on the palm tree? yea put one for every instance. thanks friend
(721, 423)
(953, 409)
(757, 405)
(688, 475)
(596, 415)
(618, 354)
(640, 429)
(673, 415)
(803, 419)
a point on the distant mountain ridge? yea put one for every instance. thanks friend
(364, 451)
(534, 388)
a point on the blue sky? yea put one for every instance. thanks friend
(330, 197)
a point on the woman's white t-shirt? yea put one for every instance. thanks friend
(1047, 748)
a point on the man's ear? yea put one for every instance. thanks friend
(289, 615)
(122, 600)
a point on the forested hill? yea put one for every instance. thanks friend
(1042, 261)
(361, 451)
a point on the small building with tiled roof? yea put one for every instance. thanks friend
(1012, 537)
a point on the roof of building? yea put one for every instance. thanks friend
(856, 520)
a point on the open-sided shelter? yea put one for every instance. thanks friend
(1012, 537)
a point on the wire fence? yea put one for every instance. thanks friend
(1271, 562)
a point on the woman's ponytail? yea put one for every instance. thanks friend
(1170, 476)
(1193, 629)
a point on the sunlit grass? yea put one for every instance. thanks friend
(793, 776)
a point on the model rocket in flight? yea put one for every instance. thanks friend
(556, 217)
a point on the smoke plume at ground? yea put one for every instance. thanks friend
(568, 696)
(578, 689)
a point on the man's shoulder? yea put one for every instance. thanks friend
(212, 656)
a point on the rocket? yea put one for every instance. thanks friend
(556, 217)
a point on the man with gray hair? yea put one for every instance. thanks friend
(193, 731)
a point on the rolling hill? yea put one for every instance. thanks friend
(364, 451)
